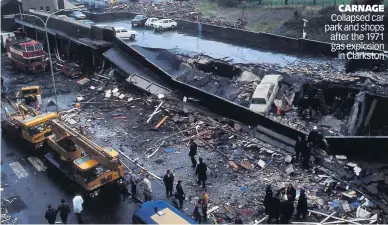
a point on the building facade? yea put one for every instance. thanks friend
(48, 6)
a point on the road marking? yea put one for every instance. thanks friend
(18, 169)
(37, 163)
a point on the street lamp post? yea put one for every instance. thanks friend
(48, 49)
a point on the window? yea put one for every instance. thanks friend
(124, 30)
(260, 101)
(117, 31)
(30, 48)
(38, 47)
(270, 90)
(48, 8)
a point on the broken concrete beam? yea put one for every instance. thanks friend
(354, 113)
(276, 136)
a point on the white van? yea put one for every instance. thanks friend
(123, 33)
(265, 93)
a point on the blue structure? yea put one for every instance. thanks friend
(149, 209)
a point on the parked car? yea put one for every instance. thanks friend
(150, 22)
(87, 22)
(139, 20)
(265, 93)
(165, 24)
(63, 16)
(71, 70)
(123, 33)
(78, 15)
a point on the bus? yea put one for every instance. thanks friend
(27, 54)
(160, 212)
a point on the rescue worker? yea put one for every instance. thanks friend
(77, 207)
(274, 209)
(291, 192)
(147, 189)
(306, 154)
(287, 210)
(133, 181)
(180, 194)
(314, 136)
(201, 172)
(268, 199)
(238, 219)
(205, 200)
(51, 214)
(64, 211)
(196, 214)
(299, 147)
(302, 205)
(124, 190)
(168, 181)
(193, 152)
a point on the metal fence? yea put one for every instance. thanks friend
(321, 3)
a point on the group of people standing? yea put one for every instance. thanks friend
(280, 206)
(64, 210)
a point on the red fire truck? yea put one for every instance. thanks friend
(27, 54)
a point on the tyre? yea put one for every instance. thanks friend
(172, 27)
(160, 28)
(133, 36)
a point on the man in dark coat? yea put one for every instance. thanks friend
(168, 180)
(291, 192)
(201, 172)
(193, 152)
(287, 210)
(302, 205)
(180, 194)
(238, 219)
(306, 155)
(51, 214)
(274, 209)
(268, 199)
(299, 147)
(315, 136)
(64, 211)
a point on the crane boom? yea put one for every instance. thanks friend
(97, 152)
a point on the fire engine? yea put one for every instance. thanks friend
(27, 53)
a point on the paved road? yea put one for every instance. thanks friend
(191, 44)
(35, 184)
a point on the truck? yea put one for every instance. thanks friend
(24, 123)
(81, 160)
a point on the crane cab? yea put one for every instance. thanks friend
(35, 129)
(29, 94)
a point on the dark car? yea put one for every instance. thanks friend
(139, 20)
(71, 70)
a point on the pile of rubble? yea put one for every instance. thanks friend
(239, 88)
(5, 217)
(240, 166)
(174, 9)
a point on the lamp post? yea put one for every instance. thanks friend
(48, 48)
(304, 26)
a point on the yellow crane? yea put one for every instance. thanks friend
(82, 160)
